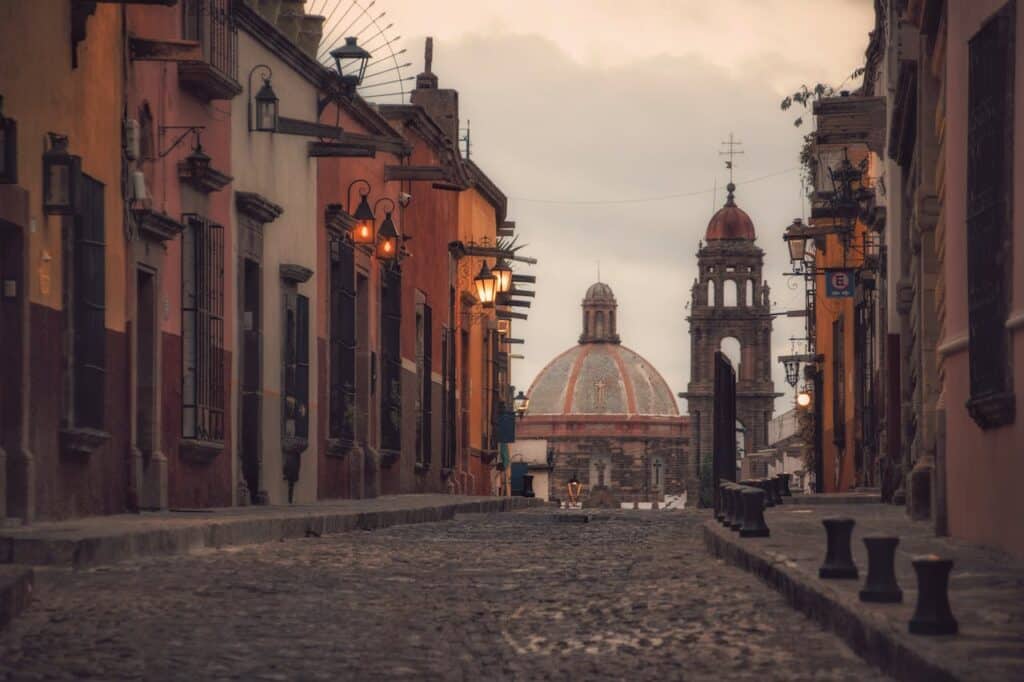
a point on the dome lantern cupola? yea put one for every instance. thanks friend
(599, 308)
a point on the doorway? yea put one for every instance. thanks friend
(12, 285)
(252, 385)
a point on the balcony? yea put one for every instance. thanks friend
(211, 24)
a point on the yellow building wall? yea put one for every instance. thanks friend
(44, 94)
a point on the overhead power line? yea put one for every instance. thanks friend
(666, 197)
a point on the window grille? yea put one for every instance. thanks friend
(296, 366)
(202, 303)
(342, 417)
(838, 382)
(391, 388)
(211, 24)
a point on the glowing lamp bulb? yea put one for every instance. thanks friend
(803, 399)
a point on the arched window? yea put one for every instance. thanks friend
(733, 350)
(729, 293)
(711, 293)
(599, 324)
(611, 322)
(749, 298)
(586, 322)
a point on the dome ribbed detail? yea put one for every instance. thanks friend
(730, 221)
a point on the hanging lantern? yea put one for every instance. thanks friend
(796, 240)
(350, 60)
(198, 161)
(486, 284)
(8, 148)
(503, 272)
(387, 239)
(792, 365)
(61, 174)
(522, 404)
(363, 232)
(266, 108)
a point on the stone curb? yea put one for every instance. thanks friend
(15, 592)
(124, 545)
(872, 636)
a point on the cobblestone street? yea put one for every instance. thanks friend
(632, 595)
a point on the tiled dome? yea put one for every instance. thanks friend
(730, 221)
(601, 379)
(599, 291)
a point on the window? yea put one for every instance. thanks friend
(711, 293)
(391, 374)
(729, 293)
(342, 361)
(448, 419)
(85, 303)
(202, 302)
(296, 365)
(989, 214)
(424, 370)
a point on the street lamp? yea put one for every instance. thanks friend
(387, 236)
(503, 272)
(486, 283)
(363, 232)
(792, 365)
(574, 489)
(796, 240)
(61, 173)
(350, 60)
(263, 115)
(803, 399)
(522, 404)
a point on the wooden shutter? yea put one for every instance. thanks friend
(90, 348)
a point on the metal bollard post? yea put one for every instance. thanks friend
(838, 557)
(881, 585)
(773, 491)
(777, 487)
(933, 615)
(785, 484)
(764, 485)
(735, 518)
(753, 514)
(720, 512)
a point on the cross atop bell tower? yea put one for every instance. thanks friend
(732, 152)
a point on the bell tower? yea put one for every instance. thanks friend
(730, 310)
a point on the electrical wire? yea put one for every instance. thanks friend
(667, 197)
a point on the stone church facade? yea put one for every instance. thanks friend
(730, 300)
(609, 417)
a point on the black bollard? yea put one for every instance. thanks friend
(880, 585)
(735, 519)
(772, 491)
(777, 486)
(753, 514)
(932, 615)
(764, 485)
(720, 506)
(785, 484)
(528, 486)
(838, 559)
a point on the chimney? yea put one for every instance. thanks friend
(290, 18)
(441, 104)
(310, 32)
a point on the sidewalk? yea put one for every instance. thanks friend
(107, 539)
(986, 591)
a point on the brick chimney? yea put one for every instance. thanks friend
(441, 104)
(310, 32)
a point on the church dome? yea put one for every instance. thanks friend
(730, 221)
(601, 379)
(600, 376)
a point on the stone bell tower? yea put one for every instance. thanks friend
(730, 310)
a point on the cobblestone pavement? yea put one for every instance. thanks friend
(630, 596)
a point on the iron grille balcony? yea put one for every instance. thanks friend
(210, 23)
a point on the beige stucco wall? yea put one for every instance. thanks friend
(279, 168)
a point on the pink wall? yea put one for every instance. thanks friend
(983, 467)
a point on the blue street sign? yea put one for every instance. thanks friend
(839, 283)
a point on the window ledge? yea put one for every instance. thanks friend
(199, 450)
(81, 442)
(992, 410)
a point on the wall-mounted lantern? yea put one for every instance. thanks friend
(792, 365)
(364, 231)
(503, 272)
(803, 399)
(387, 236)
(350, 60)
(486, 285)
(8, 148)
(263, 108)
(61, 174)
(522, 404)
(796, 240)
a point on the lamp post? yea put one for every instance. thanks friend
(486, 285)
(263, 108)
(574, 488)
(363, 232)
(796, 241)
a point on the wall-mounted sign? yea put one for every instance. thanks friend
(839, 283)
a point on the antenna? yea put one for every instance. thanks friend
(731, 152)
(598, 271)
(466, 138)
(714, 197)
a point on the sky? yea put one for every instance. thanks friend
(577, 102)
